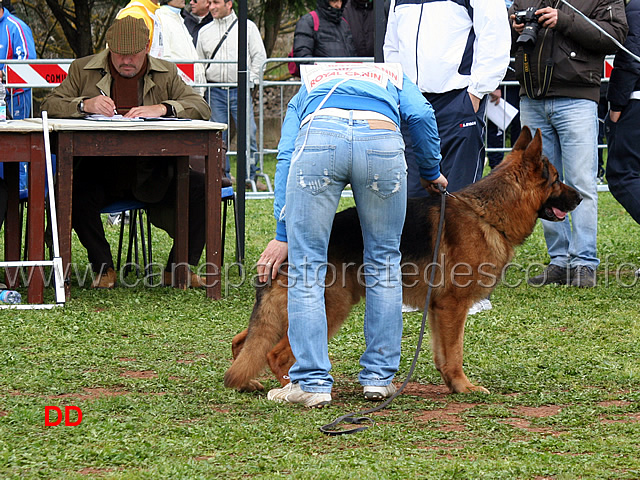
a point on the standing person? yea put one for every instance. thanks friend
(623, 121)
(361, 18)
(197, 18)
(16, 43)
(218, 40)
(562, 102)
(126, 79)
(331, 38)
(345, 130)
(457, 53)
(146, 9)
(177, 45)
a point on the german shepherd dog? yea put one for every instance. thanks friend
(483, 224)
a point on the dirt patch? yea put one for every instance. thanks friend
(126, 359)
(628, 418)
(538, 412)
(95, 471)
(91, 394)
(3, 413)
(204, 457)
(448, 417)
(614, 403)
(524, 424)
(143, 374)
(437, 393)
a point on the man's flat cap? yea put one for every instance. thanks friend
(128, 35)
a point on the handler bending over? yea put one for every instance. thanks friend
(342, 128)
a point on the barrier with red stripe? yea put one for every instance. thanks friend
(39, 75)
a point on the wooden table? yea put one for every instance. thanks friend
(23, 141)
(179, 139)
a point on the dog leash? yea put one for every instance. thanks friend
(360, 418)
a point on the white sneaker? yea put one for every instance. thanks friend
(638, 273)
(378, 392)
(480, 306)
(408, 308)
(292, 393)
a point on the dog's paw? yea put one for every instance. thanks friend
(478, 389)
(252, 386)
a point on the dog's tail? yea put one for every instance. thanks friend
(268, 324)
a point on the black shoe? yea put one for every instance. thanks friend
(584, 277)
(553, 274)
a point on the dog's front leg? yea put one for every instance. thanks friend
(447, 337)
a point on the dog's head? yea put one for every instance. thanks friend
(557, 199)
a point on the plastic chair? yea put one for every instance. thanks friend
(136, 221)
(228, 197)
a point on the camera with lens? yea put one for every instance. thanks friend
(531, 25)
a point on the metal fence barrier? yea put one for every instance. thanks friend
(48, 73)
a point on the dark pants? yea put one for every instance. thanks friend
(623, 161)
(495, 136)
(461, 133)
(99, 182)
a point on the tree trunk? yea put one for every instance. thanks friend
(272, 16)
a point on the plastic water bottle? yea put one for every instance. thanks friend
(3, 103)
(10, 297)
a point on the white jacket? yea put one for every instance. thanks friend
(178, 44)
(454, 46)
(208, 39)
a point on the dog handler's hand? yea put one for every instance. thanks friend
(271, 259)
(432, 185)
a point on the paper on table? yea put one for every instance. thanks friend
(501, 114)
(115, 118)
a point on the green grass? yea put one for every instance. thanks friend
(145, 365)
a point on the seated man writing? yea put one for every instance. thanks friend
(124, 79)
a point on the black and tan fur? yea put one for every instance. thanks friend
(483, 224)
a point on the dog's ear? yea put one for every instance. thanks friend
(534, 149)
(524, 139)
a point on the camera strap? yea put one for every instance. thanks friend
(546, 77)
(527, 50)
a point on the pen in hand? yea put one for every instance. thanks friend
(115, 112)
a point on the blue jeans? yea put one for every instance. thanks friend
(223, 101)
(340, 152)
(569, 129)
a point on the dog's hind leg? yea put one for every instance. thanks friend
(267, 326)
(447, 319)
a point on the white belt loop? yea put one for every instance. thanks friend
(635, 95)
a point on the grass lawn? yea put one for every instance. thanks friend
(145, 365)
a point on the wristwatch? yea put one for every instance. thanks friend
(171, 112)
(81, 107)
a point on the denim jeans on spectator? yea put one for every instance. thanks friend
(223, 101)
(569, 129)
(340, 152)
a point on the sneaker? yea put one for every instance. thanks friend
(584, 277)
(376, 393)
(408, 308)
(638, 273)
(292, 393)
(105, 280)
(553, 274)
(480, 306)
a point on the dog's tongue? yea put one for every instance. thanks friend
(559, 213)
